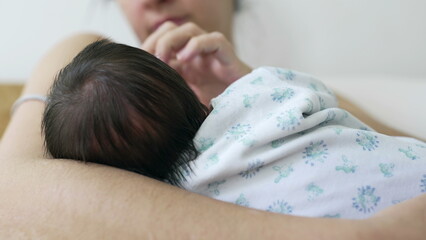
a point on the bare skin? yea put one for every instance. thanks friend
(50, 199)
(194, 37)
(205, 60)
(145, 16)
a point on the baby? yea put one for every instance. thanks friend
(284, 146)
(121, 106)
(274, 140)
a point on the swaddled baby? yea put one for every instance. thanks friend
(274, 140)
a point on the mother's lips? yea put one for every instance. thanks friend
(176, 20)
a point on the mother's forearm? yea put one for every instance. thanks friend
(63, 199)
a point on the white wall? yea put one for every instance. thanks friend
(29, 28)
(337, 37)
(323, 37)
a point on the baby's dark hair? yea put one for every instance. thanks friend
(120, 106)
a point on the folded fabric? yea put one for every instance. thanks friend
(276, 141)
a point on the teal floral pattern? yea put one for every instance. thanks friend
(366, 200)
(367, 141)
(214, 187)
(387, 169)
(252, 169)
(288, 120)
(323, 105)
(282, 94)
(313, 191)
(213, 159)
(238, 131)
(277, 143)
(316, 152)
(285, 74)
(242, 201)
(283, 172)
(280, 206)
(409, 153)
(276, 140)
(347, 167)
(331, 115)
(204, 144)
(338, 130)
(248, 101)
(423, 184)
(257, 81)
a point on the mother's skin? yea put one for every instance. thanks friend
(48, 199)
(210, 18)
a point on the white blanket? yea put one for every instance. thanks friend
(275, 141)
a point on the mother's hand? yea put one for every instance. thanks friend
(206, 61)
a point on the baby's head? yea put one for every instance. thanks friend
(121, 106)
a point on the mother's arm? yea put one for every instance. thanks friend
(367, 119)
(55, 199)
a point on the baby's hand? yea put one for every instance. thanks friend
(207, 61)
